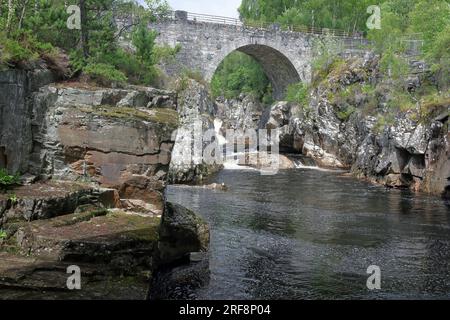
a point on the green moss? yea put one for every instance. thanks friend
(144, 228)
(433, 105)
(159, 115)
(82, 217)
(166, 116)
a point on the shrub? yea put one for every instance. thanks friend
(166, 54)
(21, 47)
(3, 234)
(13, 198)
(433, 104)
(7, 180)
(105, 74)
(239, 73)
(12, 52)
(298, 93)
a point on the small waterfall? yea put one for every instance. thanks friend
(232, 163)
(217, 127)
(303, 162)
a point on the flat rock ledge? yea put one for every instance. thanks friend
(47, 227)
(114, 251)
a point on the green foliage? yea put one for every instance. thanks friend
(433, 104)
(239, 73)
(105, 73)
(166, 54)
(144, 42)
(7, 180)
(348, 15)
(345, 113)
(21, 47)
(99, 55)
(298, 93)
(47, 21)
(13, 198)
(3, 234)
(430, 18)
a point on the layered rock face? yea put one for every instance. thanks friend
(337, 130)
(115, 138)
(197, 112)
(94, 165)
(15, 128)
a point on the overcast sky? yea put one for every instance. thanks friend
(226, 8)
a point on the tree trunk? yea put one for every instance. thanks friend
(84, 29)
(22, 15)
(10, 15)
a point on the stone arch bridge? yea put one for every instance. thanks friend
(206, 40)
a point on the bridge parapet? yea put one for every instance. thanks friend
(221, 20)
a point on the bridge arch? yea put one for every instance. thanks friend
(278, 68)
(206, 41)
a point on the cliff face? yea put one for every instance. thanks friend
(115, 138)
(16, 87)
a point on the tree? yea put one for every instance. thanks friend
(144, 41)
(10, 16)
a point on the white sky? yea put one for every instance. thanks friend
(226, 8)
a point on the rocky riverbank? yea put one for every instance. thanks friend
(94, 165)
(351, 122)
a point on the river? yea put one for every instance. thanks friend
(311, 234)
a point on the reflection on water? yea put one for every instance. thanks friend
(306, 234)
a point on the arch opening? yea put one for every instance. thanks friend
(278, 68)
(239, 73)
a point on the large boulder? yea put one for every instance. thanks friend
(181, 232)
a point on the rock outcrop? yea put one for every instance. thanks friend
(16, 134)
(94, 164)
(113, 250)
(243, 112)
(197, 113)
(115, 138)
(337, 130)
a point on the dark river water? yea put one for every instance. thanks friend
(309, 234)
